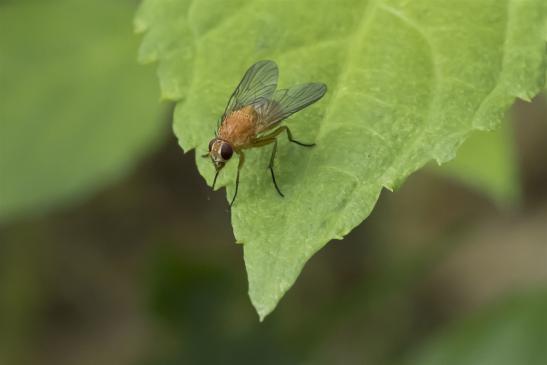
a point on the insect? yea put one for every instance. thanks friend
(253, 111)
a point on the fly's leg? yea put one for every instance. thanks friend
(274, 151)
(239, 166)
(264, 141)
(289, 136)
(282, 129)
(272, 138)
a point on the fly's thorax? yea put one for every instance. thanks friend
(220, 151)
(239, 127)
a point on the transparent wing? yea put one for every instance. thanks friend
(257, 86)
(286, 102)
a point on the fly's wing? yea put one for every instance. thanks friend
(257, 86)
(286, 102)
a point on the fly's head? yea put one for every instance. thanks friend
(220, 152)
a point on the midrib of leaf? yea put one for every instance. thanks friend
(368, 11)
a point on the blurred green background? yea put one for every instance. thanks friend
(114, 251)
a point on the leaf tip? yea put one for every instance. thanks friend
(262, 312)
(264, 305)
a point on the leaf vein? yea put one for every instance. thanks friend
(435, 82)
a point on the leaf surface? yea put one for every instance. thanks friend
(408, 82)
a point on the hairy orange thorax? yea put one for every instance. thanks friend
(239, 127)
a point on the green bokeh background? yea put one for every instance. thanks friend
(114, 251)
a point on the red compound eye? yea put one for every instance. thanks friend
(226, 151)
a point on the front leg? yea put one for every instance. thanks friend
(241, 161)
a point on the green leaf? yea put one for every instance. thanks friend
(487, 162)
(77, 110)
(408, 82)
(513, 332)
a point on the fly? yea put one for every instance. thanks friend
(253, 111)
